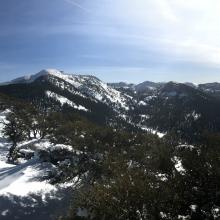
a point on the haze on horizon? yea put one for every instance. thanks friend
(123, 40)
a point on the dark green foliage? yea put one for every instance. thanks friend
(23, 122)
(14, 131)
(141, 181)
(125, 173)
(172, 109)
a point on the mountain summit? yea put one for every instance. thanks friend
(33, 77)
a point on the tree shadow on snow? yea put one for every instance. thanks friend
(35, 206)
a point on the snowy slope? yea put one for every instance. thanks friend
(86, 86)
(63, 100)
(25, 178)
(92, 87)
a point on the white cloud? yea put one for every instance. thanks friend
(186, 29)
(138, 35)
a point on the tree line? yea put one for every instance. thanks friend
(125, 175)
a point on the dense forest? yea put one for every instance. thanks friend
(122, 174)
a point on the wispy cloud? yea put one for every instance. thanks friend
(76, 4)
(181, 30)
(169, 37)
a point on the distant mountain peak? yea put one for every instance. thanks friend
(45, 72)
(147, 85)
(83, 86)
(50, 72)
(124, 85)
(32, 77)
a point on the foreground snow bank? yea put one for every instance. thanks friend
(30, 177)
(24, 179)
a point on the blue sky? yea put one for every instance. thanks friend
(116, 40)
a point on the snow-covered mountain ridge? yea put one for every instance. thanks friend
(86, 86)
(158, 106)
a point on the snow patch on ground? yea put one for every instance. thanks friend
(142, 103)
(62, 147)
(185, 146)
(178, 165)
(144, 117)
(152, 131)
(4, 144)
(64, 101)
(24, 181)
(194, 115)
(25, 178)
(149, 98)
